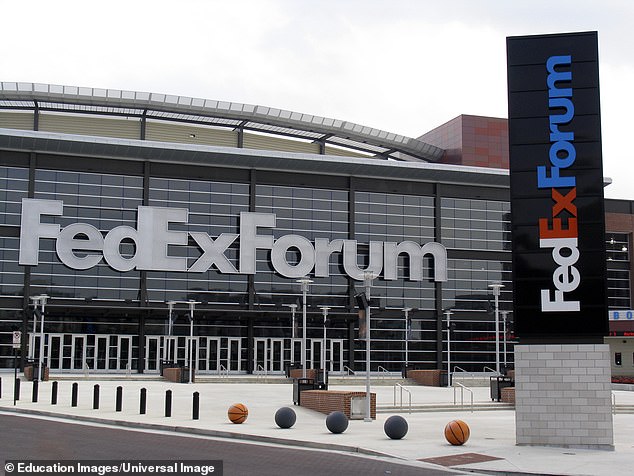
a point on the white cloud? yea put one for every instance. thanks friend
(405, 66)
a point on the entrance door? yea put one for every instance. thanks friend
(335, 360)
(101, 352)
(213, 354)
(314, 359)
(268, 356)
(78, 352)
(53, 352)
(260, 356)
(231, 354)
(153, 353)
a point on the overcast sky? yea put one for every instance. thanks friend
(403, 66)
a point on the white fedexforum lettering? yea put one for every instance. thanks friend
(82, 246)
(559, 231)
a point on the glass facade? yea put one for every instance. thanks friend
(214, 208)
(104, 201)
(312, 213)
(476, 224)
(108, 320)
(618, 253)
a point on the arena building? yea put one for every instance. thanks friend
(134, 212)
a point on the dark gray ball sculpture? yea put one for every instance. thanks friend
(285, 417)
(395, 427)
(337, 422)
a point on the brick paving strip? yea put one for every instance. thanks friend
(460, 459)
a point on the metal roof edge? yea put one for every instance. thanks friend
(195, 106)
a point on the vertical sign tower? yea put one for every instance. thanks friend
(563, 389)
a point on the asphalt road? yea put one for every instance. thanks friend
(26, 438)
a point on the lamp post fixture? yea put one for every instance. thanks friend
(41, 300)
(170, 309)
(448, 313)
(305, 282)
(368, 277)
(407, 328)
(35, 301)
(504, 318)
(496, 293)
(293, 308)
(192, 305)
(325, 309)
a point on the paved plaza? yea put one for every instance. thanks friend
(491, 446)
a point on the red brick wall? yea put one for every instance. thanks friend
(508, 395)
(327, 401)
(430, 378)
(297, 373)
(173, 374)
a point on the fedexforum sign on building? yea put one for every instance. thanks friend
(152, 240)
(114, 203)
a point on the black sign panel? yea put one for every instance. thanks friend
(558, 220)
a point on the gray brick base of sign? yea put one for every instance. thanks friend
(563, 396)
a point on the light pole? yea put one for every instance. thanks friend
(496, 292)
(170, 308)
(323, 345)
(293, 308)
(504, 317)
(36, 301)
(192, 305)
(305, 282)
(41, 300)
(448, 313)
(407, 329)
(368, 277)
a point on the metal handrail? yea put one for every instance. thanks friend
(383, 371)
(402, 388)
(453, 374)
(264, 375)
(462, 389)
(348, 370)
(224, 370)
(461, 370)
(484, 369)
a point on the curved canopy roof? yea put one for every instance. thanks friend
(47, 97)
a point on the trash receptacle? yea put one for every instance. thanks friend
(184, 371)
(299, 385)
(497, 384)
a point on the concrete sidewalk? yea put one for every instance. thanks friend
(492, 438)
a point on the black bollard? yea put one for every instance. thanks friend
(168, 403)
(143, 402)
(73, 398)
(119, 400)
(16, 390)
(36, 386)
(54, 393)
(196, 406)
(95, 397)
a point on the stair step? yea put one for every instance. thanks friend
(445, 408)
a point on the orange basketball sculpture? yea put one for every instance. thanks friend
(238, 413)
(457, 432)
